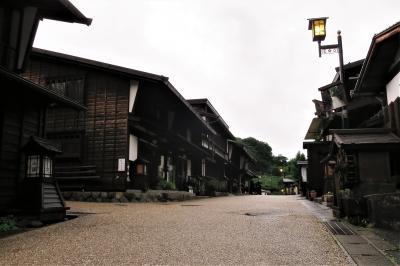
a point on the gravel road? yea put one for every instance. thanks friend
(236, 230)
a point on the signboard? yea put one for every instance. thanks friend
(329, 50)
(121, 164)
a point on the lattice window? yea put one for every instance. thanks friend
(71, 87)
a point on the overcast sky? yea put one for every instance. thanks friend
(254, 60)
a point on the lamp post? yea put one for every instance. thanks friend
(318, 28)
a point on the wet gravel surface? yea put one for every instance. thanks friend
(251, 230)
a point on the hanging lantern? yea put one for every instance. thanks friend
(318, 28)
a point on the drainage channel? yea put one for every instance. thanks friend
(338, 228)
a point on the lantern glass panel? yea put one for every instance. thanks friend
(47, 167)
(319, 28)
(33, 166)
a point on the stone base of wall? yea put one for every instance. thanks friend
(128, 196)
(384, 210)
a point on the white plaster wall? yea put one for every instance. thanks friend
(189, 168)
(304, 173)
(393, 89)
(133, 147)
(134, 86)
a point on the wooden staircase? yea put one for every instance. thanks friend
(75, 177)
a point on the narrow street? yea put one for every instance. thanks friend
(268, 230)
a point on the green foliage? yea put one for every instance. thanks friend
(271, 182)
(213, 186)
(169, 186)
(269, 165)
(7, 223)
(166, 185)
(261, 152)
(279, 162)
(293, 169)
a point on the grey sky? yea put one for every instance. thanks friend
(254, 60)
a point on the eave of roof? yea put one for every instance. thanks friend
(351, 65)
(79, 17)
(244, 149)
(41, 90)
(131, 73)
(377, 39)
(365, 136)
(327, 87)
(307, 144)
(314, 129)
(219, 117)
(62, 10)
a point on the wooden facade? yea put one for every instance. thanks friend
(137, 131)
(316, 152)
(26, 181)
(215, 168)
(230, 164)
(362, 159)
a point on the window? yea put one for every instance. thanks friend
(68, 87)
(47, 167)
(205, 142)
(33, 165)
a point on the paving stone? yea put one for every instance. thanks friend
(371, 260)
(360, 249)
(351, 239)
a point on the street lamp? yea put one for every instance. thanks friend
(318, 28)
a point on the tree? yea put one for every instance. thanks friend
(261, 152)
(293, 169)
(279, 162)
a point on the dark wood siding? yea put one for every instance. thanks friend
(21, 120)
(100, 131)
(107, 126)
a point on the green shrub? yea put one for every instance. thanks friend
(211, 187)
(169, 186)
(7, 223)
(166, 185)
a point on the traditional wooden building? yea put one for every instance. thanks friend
(137, 130)
(26, 156)
(303, 165)
(364, 152)
(362, 166)
(380, 78)
(239, 168)
(214, 169)
(316, 152)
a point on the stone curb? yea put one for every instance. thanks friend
(128, 196)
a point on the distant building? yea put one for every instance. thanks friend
(231, 163)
